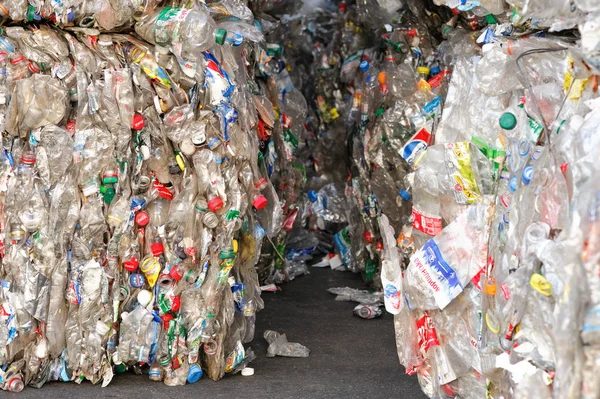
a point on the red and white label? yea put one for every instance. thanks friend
(505, 291)
(427, 334)
(426, 224)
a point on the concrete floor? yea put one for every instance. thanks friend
(350, 357)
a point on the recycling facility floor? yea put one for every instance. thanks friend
(350, 357)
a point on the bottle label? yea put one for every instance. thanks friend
(438, 275)
(168, 24)
(290, 142)
(426, 224)
(458, 159)
(427, 334)
(343, 243)
(235, 357)
(416, 146)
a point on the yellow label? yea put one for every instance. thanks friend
(423, 85)
(540, 284)
(577, 89)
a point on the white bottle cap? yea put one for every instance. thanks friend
(144, 297)
(247, 371)
(187, 147)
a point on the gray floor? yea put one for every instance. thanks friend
(350, 357)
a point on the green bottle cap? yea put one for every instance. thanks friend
(120, 368)
(508, 121)
(30, 13)
(379, 112)
(220, 36)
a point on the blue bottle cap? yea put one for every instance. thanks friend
(435, 70)
(527, 173)
(194, 374)
(364, 66)
(405, 195)
(312, 196)
(512, 185)
(136, 280)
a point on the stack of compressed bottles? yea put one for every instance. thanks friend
(135, 193)
(318, 38)
(282, 143)
(472, 128)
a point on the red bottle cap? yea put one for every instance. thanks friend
(176, 304)
(368, 236)
(131, 264)
(379, 246)
(176, 273)
(166, 318)
(138, 122)
(215, 204)
(71, 126)
(142, 218)
(259, 202)
(157, 249)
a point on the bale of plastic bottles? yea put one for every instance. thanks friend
(139, 143)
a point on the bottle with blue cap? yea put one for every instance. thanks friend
(194, 374)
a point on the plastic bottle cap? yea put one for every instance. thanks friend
(260, 202)
(234, 245)
(131, 265)
(144, 297)
(368, 236)
(187, 147)
(423, 70)
(312, 196)
(508, 121)
(110, 177)
(138, 122)
(120, 368)
(364, 66)
(215, 204)
(405, 195)
(220, 36)
(435, 70)
(176, 304)
(157, 249)
(176, 273)
(166, 318)
(142, 218)
(527, 173)
(136, 280)
(194, 374)
(247, 371)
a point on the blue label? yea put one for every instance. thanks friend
(439, 265)
(432, 106)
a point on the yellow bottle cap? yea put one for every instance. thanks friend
(234, 244)
(422, 70)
